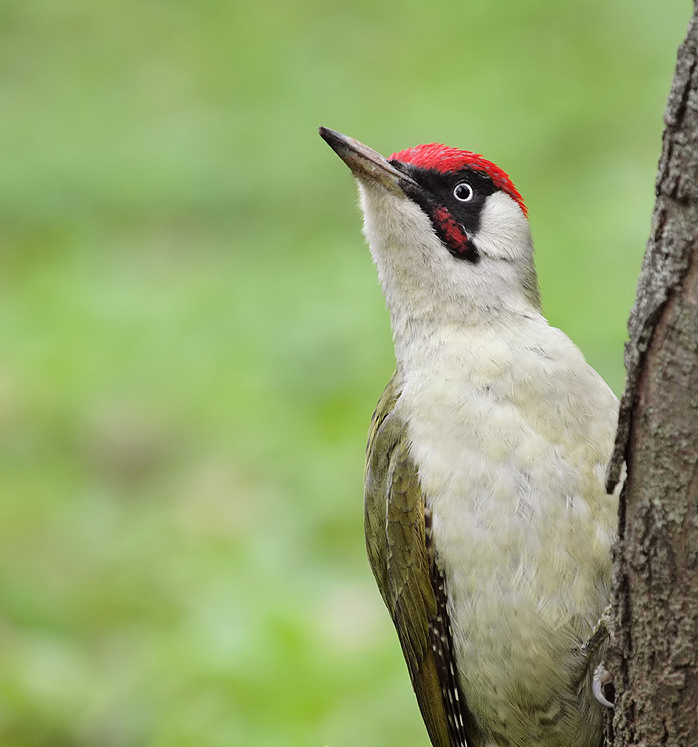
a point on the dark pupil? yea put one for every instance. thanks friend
(463, 191)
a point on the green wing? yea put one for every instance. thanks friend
(411, 587)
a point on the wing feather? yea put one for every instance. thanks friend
(407, 576)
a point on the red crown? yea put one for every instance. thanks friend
(443, 159)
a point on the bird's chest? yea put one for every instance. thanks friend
(481, 448)
(490, 477)
(506, 494)
(511, 507)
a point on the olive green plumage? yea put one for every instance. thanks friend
(397, 552)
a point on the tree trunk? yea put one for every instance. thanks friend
(653, 656)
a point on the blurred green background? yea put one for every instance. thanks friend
(193, 337)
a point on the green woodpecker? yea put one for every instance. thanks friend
(488, 527)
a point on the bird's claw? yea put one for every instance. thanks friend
(601, 678)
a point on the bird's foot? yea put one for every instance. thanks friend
(602, 683)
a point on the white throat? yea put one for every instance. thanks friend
(429, 292)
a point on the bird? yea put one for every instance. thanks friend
(488, 527)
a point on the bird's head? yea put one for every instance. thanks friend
(448, 232)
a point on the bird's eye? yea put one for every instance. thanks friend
(463, 192)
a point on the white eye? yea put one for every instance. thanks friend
(463, 192)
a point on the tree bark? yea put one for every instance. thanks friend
(653, 656)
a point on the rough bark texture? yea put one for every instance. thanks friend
(654, 654)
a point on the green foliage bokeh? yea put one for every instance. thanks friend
(193, 337)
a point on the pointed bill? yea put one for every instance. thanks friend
(365, 162)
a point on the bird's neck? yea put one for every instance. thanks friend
(460, 341)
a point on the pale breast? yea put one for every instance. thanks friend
(511, 443)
